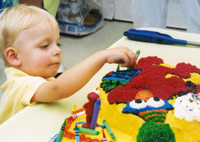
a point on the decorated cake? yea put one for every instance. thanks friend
(152, 102)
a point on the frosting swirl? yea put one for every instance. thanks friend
(188, 107)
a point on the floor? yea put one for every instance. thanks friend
(102, 39)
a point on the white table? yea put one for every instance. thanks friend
(40, 122)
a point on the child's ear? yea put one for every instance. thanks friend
(12, 58)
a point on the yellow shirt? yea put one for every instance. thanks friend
(17, 92)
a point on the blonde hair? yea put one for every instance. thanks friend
(16, 19)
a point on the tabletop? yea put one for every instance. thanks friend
(42, 121)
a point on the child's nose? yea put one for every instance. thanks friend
(57, 50)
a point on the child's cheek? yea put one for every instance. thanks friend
(44, 60)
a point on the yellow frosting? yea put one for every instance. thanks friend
(126, 126)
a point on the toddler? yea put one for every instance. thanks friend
(29, 46)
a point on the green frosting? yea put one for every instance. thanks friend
(154, 132)
(154, 112)
(155, 116)
(108, 85)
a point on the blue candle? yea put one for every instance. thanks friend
(77, 133)
(95, 114)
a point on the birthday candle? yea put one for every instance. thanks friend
(137, 53)
(95, 114)
(101, 126)
(104, 136)
(109, 130)
(77, 133)
(118, 68)
(61, 132)
(76, 115)
(82, 122)
(74, 108)
(88, 131)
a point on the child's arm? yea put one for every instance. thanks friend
(75, 78)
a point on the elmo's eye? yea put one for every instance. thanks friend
(155, 102)
(138, 103)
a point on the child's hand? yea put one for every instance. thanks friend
(121, 55)
(76, 77)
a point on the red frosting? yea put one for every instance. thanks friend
(89, 107)
(152, 78)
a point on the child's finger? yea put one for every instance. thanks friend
(133, 58)
(126, 61)
(129, 59)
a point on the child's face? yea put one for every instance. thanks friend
(37, 48)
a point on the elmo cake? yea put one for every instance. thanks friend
(152, 102)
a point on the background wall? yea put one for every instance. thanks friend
(120, 10)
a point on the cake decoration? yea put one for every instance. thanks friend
(154, 78)
(75, 115)
(154, 132)
(150, 106)
(89, 109)
(153, 111)
(69, 134)
(104, 137)
(117, 79)
(109, 130)
(77, 133)
(95, 114)
(152, 102)
(143, 95)
(188, 107)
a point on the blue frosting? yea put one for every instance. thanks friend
(129, 109)
(124, 75)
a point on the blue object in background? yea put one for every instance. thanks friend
(8, 3)
(155, 37)
(1, 4)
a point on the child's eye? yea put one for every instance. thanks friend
(44, 46)
(59, 45)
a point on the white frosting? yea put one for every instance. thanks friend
(151, 102)
(96, 91)
(179, 113)
(197, 114)
(188, 107)
(189, 116)
(133, 104)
